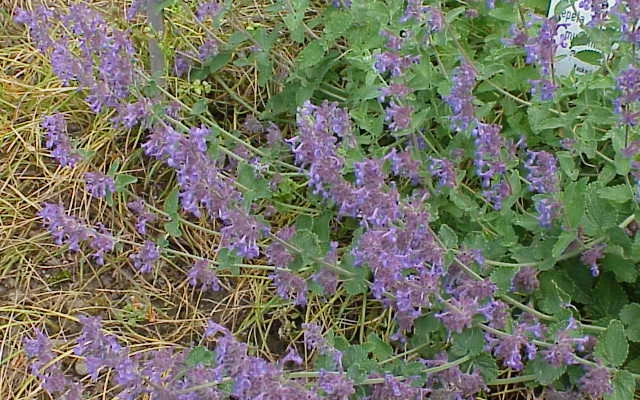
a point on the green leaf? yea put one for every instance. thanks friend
(123, 180)
(199, 107)
(612, 297)
(470, 341)
(624, 386)
(173, 228)
(573, 199)
(568, 165)
(228, 259)
(552, 298)
(171, 202)
(630, 315)
(545, 373)
(380, 349)
(624, 270)
(113, 168)
(617, 193)
(448, 236)
(613, 347)
(487, 366)
(589, 56)
(564, 240)
(502, 278)
(311, 55)
(199, 355)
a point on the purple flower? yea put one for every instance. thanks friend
(208, 49)
(461, 97)
(38, 23)
(497, 193)
(242, 233)
(99, 184)
(543, 86)
(509, 348)
(525, 280)
(208, 9)
(596, 382)
(541, 49)
(396, 64)
(488, 143)
(394, 42)
(58, 141)
(277, 252)
(50, 374)
(327, 279)
(145, 257)
(394, 389)
(591, 256)
(548, 210)
(397, 90)
(444, 170)
(143, 217)
(101, 242)
(599, 10)
(252, 125)
(404, 165)
(399, 116)
(290, 286)
(628, 83)
(291, 356)
(518, 37)
(562, 351)
(542, 170)
(274, 135)
(335, 385)
(459, 314)
(205, 276)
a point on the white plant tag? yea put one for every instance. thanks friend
(574, 50)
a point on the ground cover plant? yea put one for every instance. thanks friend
(288, 199)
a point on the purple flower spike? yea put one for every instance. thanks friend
(58, 141)
(542, 168)
(208, 9)
(398, 116)
(143, 217)
(201, 273)
(596, 382)
(290, 286)
(461, 97)
(99, 184)
(146, 256)
(548, 210)
(591, 256)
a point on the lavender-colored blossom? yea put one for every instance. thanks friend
(548, 210)
(628, 83)
(145, 257)
(394, 42)
(208, 49)
(277, 252)
(394, 389)
(397, 90)
(101, 242)
(242, 233)
(598, 10)
(544, 87)
(414, 10)
(459, 315)
(327, 279)
(252, 125)
(274, 135)
(444, 170)
(291, 356)
(525, 280)
(518, 37)
(58, 140)
(99, 184)
(396, 64)
(335, 386)
(201, 273)
(38, 23)
(290, 286)
(460, 99)
(398, 116)
(562, 352)
(542, 172)
(541, 49)
(591, 256)
(488, 143)
(49, 373)
(404, 165)
(628, 12)
(509, 349)
(66, 229)
(208, 9)
(596, 382)
(143, 216)
(497, 193)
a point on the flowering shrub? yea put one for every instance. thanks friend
(423, 157)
